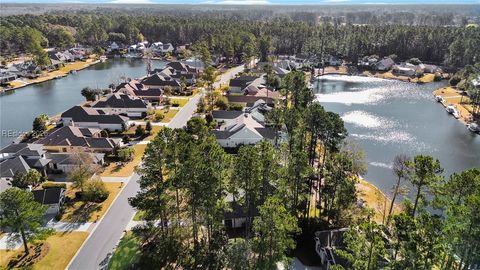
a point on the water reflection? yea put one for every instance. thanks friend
(17, 110)
(390, 117)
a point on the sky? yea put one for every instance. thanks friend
(254, 2)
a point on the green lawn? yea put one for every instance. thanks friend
(126, 254)
(138, 216)
(181, 101)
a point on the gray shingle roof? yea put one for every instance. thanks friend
(242, 81)
(49, 195)
(9, 167)
(79, 137)
(226, 114)
(83, 114)
(120, 101)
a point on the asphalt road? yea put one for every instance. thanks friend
(98, 248)
(181, 118)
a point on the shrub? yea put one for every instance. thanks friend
(235, 107)
(125, 139)
(167, 101)
(158, 117)
(175, 103)
(222, 103)
(139, 131)
(48, 185)
(104, 133)
(455, 80)
(126, 154)
(95, 191)
(148, 127)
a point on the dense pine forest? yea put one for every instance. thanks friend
(235, 36)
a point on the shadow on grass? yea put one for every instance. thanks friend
(36, 253)
(83, 213)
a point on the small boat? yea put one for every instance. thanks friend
(456, 114)
(103, 59)
(73, 71)
(439, 99)
(451, 110)
(474, 127)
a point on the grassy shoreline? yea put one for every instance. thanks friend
(52, 75)
(376, 200)
(453, 97)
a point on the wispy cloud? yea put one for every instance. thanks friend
(238, 2)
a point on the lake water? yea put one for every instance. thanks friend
(18, 109)
(389, 117)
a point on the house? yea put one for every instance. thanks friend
(6, 77)
(61, 56)
(77, 53)
(384, 64)
(243, 130)
(326, 243)
(237, 85)
(246, 99)
(71, 138)
(159, 81)
(22, 157)
(113, 47)
(258, 110)
(262, 92)
(53, 198)
(426, 68)
(334, 61)
(66, 162)
(122, 104)
(135, 88)
(182, 68)
(368, 61)
(406, 69)
(167, 48)
(79, 116)
(236, 217)
(26, 69)
(227, 117)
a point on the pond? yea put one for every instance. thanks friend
(389, 117)
(19, 109)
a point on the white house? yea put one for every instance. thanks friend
(384, 64)
(67, 162)
(405, 69)
(243, 130)
(122, 104)
(326, 242)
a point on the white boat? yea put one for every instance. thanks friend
(103, 59)
(474, 127)
(451, 110)
(439, 99)
(456, 114)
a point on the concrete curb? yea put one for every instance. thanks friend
(98, 222)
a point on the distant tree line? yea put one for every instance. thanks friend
(237, 39)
